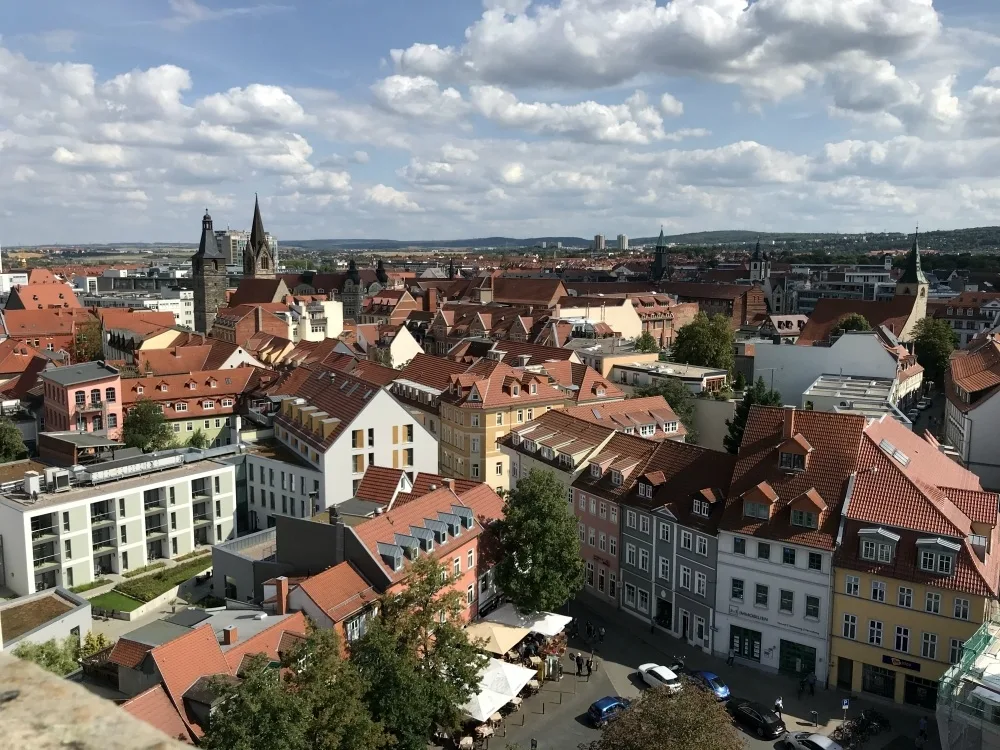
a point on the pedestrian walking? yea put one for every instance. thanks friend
(731, 658)
(600, 634)
(579, 664)
(590, 667)
(778, 706)
(811, 681)
(590, 629)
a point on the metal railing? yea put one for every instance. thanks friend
(102, 517)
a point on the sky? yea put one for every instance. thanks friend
(121, 121)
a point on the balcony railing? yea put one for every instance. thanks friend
(153, 506)
(97, 518)
(103, 545)
(38, 535)
(91, 406)
(201, 492)
(45, 562)
(202, 518)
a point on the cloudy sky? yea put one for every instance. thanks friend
(430, 119)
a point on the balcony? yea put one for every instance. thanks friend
(89, 406)
(153, 506)
(47, 534)
(42, 563)
(99, 520)
(201, 491)
(201, 519)
(103, 546)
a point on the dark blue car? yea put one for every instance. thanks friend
(606, 709)
(713, 683)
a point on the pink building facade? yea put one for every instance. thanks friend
(598, 522)
(85, 398)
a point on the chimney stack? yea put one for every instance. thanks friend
(260, 319)
(432, 300)
(788, 428)
(229, 635)
(450, 483)
(282, 595)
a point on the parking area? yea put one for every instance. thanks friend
(556, 717)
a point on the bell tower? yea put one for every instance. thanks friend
(208, 271)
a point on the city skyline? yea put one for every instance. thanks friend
(506, 118)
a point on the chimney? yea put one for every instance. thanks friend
(449, 483)
(229, 635)
(788, 428)
(432, 300)
(260, 320)
(282, 593)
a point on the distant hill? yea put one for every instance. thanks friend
(340, 244)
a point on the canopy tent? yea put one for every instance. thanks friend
(546, 623)
(498, 684)
(499, 638)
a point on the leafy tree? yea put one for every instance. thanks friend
(934, 341)
(758, 394)
(146, 428)
(706, 342)
(540, 565)
(740, 382)
(87, 344)
(316, 705)
(854, 322)
(415, 658)
(198, 439)
(93, 643)
(645, 342)
(383, 356)
(678, 396)
(58, 657)
(11, 442)
(659, 718)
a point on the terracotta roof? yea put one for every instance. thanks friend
(128, 653)
(493, 384)
(265, 642)
(174, 360)
(835, 439)
(584, 382)
(425, 482)
(15, 357)
(537, 353)
(562, 432)
(191, 389)
(140, 321)
(339, 591)
(621, 448)
(632, 412)
(182, 661)
(892, 314)
(379, 484)
(155, 708)
(258, 290)
(41, 276)
(23, 323)
(373, 372)
(434, 372)
(977, 369)
(42, 296)
(695, 290)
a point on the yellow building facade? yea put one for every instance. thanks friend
(895, 638)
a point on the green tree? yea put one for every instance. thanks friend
(678, 396)
(934, 341)
(539, 566)
(146, 428)
(58, 657)
(93, 643)
(645, 342)
(706, 342)
(740, 382)
(87, 344)
(660, 718)
(854, 322)
(198, 439)
(11, 442)
(415, 658)
(757, 394)
(383, 356)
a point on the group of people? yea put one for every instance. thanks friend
(592, 633)
(583, 663)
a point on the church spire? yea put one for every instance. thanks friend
(912, 271)
(257, 238)
(209, 246)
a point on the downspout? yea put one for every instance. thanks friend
(833, 582)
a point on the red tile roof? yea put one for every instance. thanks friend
(373, 372)
(24, 323)
(184, 660)
(379, 484)
(489, 384)
(173, 361)
(258, 290)
(267, 641)
(127, 653)
(339, 591)
(623, 451)
(632, 412)
(155, 708)
(892, 314)
(584, 383)
(977, 369)
(42, 296)
(191, 389)
(15, 357)
(434, 372)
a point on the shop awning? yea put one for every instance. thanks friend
(498, 684)
(546, 623)
(499, 638)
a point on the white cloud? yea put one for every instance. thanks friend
(671, 106)
(255, 104)
(318, 181)
(513, 173)
(419, 96)
(360, 157)
(388, 197)
(188, 12)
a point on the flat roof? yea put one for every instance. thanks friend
(601, 346)
(352, 512)
(271, 448)
(248, 622)
(81, 373)
(20, 501)
(156, 633)
(84, 439)
(22, 615)
(673, 369)
(851, 387)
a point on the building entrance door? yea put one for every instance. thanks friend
(845, 673)
(879, 681)
(664, 613)
(685, 624)
(795, 658)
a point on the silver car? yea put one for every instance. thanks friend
(808, 741)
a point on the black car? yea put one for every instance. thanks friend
(756, 716)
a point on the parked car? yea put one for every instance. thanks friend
(756, 716)
(809, 741)
(711, 682)
(606, 709)
(912, 415)
(924, 403)
(654, 675)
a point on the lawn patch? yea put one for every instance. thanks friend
(115, 600)
(149, 587)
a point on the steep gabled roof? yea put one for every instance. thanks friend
(434, 372)
(154, 707)
(892, 314)
(585, 383)
(340, 591)
(182, 661)
(43, 296)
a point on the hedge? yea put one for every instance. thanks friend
(88, 586)
(195, 553)
(143, 569)
(149, 587)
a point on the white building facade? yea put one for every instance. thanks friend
(773, 604)
(65, 529)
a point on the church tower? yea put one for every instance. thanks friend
(257, 260)
(760, 265)
(913, 282)
(661, 260)
(208, 271)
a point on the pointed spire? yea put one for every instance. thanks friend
(912, 271)
(209, 245)
(257, 239)
(661, 242)
(451, 268)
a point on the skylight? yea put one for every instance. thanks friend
(893, 452)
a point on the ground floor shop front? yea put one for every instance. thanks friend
(903, 679)
(774, 649)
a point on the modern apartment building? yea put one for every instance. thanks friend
(61, 527)
(86, 397)
(916, 571)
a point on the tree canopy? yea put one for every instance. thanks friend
(146, 428)
(12, 446)
(645, 342)
(677, 395)
(706, 342)
(198, 439)
(415, 658)
(659, 718)
(934, 341)
(87, 344)
(539, 567)
(758, 394)
(317, 705)
(854, 322)
(58, 657)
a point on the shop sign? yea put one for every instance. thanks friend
(901, 663)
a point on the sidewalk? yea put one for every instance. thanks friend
(629, 641)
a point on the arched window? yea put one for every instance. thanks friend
(95, 395)
(110, 396)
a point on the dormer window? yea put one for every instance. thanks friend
(600, 390)
(701, 508)
(164, 388)
(534, 388)
(548, 453)
(515, 439)
(595, 470)
(938, 555)
(645, 490)
(565, 459)
(530, 446)
(670, 427)
(647, 429)
(139, 389)
(473, 395)
(515, 390)
(753, 509)
(805, 519)
(617, 478)
(792, 461)
(875, 551)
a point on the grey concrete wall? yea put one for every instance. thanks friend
(710, 421)
(307, 546)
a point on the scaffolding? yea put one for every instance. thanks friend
(968, 704)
